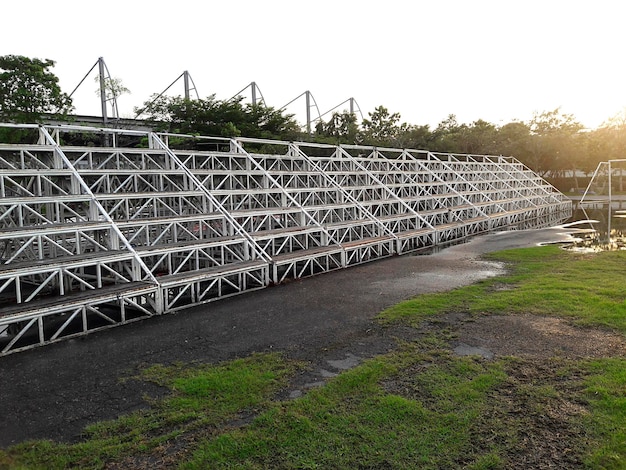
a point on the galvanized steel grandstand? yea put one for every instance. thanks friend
(137, 224)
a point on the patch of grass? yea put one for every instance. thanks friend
(551, 281)
(543, 280)
(202, 396)
(369, 417)
(525, 263)
(415, 310)
(533, 418)
(587, 287)
(606, 393)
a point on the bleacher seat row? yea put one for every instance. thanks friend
(131, 224)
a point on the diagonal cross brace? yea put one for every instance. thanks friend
(194, 179)
(236, 145)
(45, 135)
(386, 188)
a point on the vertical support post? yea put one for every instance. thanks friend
(351, 105)
(253, 88)
(42, 338)
(308, 112)
(103, 94)
(186, 80)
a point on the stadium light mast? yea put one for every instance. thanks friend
(308, 97)
(352, 102)
(103, 92)
(254, 91)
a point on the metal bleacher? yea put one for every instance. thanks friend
(135, 224)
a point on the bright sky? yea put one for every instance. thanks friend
(497, 60)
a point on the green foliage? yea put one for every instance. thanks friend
(606, 391)
(213, 117)
(514, 139)
(18, 136)
(551, 143)
(341, 128)
(417, 138)
(555, 142)
(382, 128)
(605, 143)
(544, 280)
(113, 87)
(354, 422)
(480, 137)
(445, 137)
(202, 396)
(28, 90)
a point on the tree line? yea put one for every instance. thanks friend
(552, 143)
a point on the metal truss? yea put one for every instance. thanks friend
(102, 235)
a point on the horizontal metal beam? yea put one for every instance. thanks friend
(92, 237)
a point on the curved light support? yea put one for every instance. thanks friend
(309, 97)
(103, 73)
(254, 88)
(186, 78)
(352, 102)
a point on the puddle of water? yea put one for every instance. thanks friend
(595, 241)
(598, 230)
(327, 374)
(466, 350)
(349, 362)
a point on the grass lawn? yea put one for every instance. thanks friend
(419, 406)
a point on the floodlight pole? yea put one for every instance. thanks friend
(308, 96)
(103, 94)
(308, 112)
(253, 87)
(186, 80)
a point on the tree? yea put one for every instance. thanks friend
(446, 136)
(614, 131)
(341, 128)
(513, 139)
(113, 89)
(416, 137)
(608, 142)
(479, 138)
(213, 117)
(382, 128)
(267, 122)
(28, 90)
(555, 143)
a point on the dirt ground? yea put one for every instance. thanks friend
(55, 391)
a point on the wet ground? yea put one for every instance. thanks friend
(55, 391)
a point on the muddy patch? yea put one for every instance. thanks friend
(531, 336)
(534, 416)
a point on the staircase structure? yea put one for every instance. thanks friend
(136, 224)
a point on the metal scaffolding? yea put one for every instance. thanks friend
(101, 235)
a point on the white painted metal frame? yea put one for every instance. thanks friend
(97, 236)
